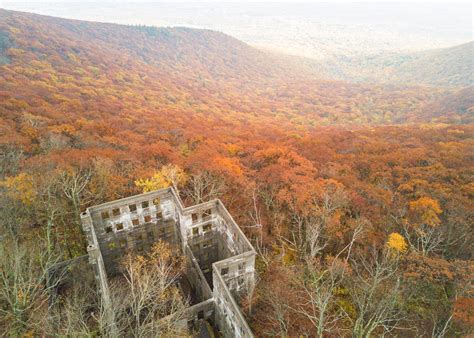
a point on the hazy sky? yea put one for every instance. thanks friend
(311, 28)
(253, 1)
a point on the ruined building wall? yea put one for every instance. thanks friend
(133, 224)
(228, 316)
(237, 272)
(196, 277)
(97, 262)
(220, 259)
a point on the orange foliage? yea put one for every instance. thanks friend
(125, 101)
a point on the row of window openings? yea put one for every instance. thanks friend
(123, 243)
(240, 283)
(230, 317)
(205, 228)
(138, 248)
(204, 245)
(135, 222)
(225, 271)
(132, 208)
(236, 239)
(206, 213)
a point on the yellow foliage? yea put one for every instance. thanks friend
(161, 254)
(169, 175)
(456, 131)
(15, 52)
(396, 242)
(184, 150)
(157, 181)
(20, 188)
(65, 129)
(347, 306)
(289, 258)
(413, 185)
(340, 291)
(425, 211)
(14, 30)
(289, 255)
(233, 149)
(468, 189)
(30, 132)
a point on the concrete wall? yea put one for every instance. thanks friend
(238, 272)
(196, 278)
(235, 239)
(220, 259)
(229, 319)
(97, 262)
(133, 224)
(199, 312)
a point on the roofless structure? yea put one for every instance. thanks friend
(220, 259)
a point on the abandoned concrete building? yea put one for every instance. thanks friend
(220, 259)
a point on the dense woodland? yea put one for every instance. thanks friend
(445, 67)
(358, 198)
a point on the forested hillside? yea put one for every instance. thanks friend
(180, 69)
(357, 198)
(446, 67)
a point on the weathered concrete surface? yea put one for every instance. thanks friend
(220, 259)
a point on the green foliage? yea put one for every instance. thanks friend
(5, 43)
(427, 299)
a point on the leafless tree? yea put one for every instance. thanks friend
(204, 186)
(10, 158)
(257, 230)
(310, 224)
(79, 312)
(269, 197)
(48, 205)
(317, 301)
(73, 183)
(12, 215)
(441, 327)
(147, 301)
(25, 287)
(423, 239)
(279, 316)
(314, 232)
(375, 293)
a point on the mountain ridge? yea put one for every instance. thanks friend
(91, 113)
(442, 67)
(189, 71)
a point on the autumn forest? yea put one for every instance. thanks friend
(357, 197)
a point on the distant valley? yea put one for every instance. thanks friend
(347, 163)
(446, 67)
